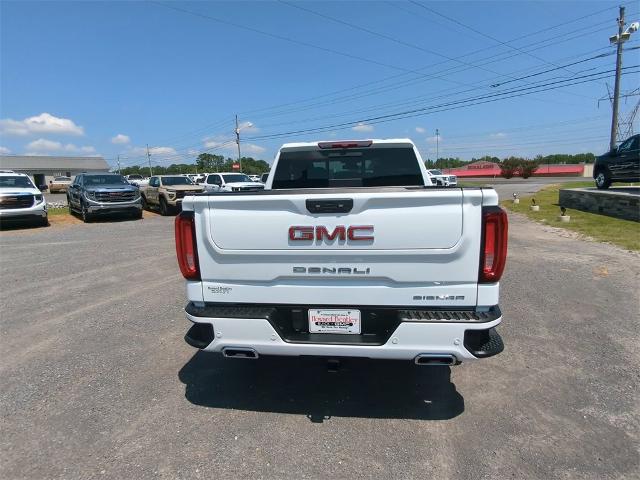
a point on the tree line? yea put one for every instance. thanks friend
(556, 158)
(205, 163)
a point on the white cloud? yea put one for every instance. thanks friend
(39, 124)
(421, 130)
(229, 146)
(42, 146)
(248, 127)
(498, 135)
(4, 150)
(252, 149)
(362, 127)
(121, 139)
(157, 151)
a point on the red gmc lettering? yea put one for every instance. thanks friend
(355, 236)
(358, 233)
(300, 233)
(339, 232)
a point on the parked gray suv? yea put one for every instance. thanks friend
(93, 194)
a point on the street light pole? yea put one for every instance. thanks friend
(437, 145)
(238, 143)
(149, 159)
(616, 91)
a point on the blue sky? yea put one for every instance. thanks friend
(94, 78)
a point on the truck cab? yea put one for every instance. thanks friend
(619, 165)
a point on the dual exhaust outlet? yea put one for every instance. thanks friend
(240, 352)
(425, 359)
(434, 359)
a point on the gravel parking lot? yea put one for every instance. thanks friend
(97, 381)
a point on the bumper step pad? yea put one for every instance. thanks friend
(483, 343)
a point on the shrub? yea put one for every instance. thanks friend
(528, 167)
(510, 167)
(516, 166)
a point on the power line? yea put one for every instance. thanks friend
(409, 113)
(411, 81)
(414, 100)
(383, 35)
(490, 37)
(285, 39)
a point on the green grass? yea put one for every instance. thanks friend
(58, 211)
(624, 233)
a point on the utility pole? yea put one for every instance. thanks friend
(616, 91)
(149, 159)
(238, 143)
(118, 164)
(437, 145)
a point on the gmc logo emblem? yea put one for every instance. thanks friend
(356, 233)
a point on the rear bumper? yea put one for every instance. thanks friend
(251, 329)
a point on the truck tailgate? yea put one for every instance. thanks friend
(424, 248)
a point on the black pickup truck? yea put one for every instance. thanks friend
(619, 165)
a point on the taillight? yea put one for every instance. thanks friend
(493, 253)
(186, 248)
(346, 144)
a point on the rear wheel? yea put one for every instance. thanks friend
(603, 179)
(164, 208)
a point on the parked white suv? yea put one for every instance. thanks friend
(230, 182)
(350, 251)
(20, 200)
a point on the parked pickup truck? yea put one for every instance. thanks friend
(20, 200)
(167, 191)
(348, 252)
(230, 182)
(441, 179)
(93, 194)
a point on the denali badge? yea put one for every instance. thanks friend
(358, 233)
(332, 270)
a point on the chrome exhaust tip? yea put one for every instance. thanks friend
(435, 359)
(240, 352)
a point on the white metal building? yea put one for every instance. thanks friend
(42, 169)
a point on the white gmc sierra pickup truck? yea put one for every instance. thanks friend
(351, 252)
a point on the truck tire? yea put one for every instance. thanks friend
(164, 208)
(145, 205)
(86, 216)
(603, 179)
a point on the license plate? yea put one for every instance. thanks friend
(334, 321)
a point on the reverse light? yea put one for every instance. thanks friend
(493, 247)
(186, 248)
(346, 144)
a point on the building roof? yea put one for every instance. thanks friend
(29, 162)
